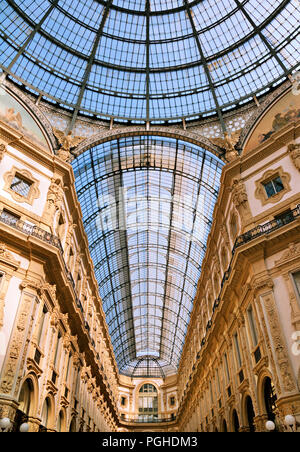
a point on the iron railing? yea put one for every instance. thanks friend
(145, 419)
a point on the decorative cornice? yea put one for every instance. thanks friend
(173, 132)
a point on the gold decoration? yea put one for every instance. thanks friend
(54, 199)
(67, 142)
(294, 150)
(228, 143)
(279, 345)
(3, 149)
(240, 200)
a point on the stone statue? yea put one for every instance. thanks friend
(67, 142)
(228, 143)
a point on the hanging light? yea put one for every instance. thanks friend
(5, 424)
(24, 427)
(290, 421)
(270, 426)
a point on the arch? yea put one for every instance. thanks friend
(235, 423)
(267, 396)
(47, 413)
(248, 413)
(72, 427)
(176, 133)
(29, 387)
(147, 401)
(61, 421)
(223, 427)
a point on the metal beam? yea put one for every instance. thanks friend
(147, 11)
(204, 62)
(89, 65)
(262, 37)
(169, 245)
(32, 34)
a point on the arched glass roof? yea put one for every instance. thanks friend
(147, 205)
(149, 60)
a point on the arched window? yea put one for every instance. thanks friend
(148, 403)
(250, 414)
(45, 413)
(60, 421)
(270, 398)
(25, 397)
(73, 425)
(235, 421)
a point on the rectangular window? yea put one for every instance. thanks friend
(68, 366)
(237, 349)
(252, 326)
(57, 351)
(21, 185)
(296, 278)
(42, 326)
(226, 368)
(273, 186)
(9, 217)
(211, 392)
(218, 381)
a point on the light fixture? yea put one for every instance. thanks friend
(5, 424)
(24, 427)
(270, 426)
(290, 421)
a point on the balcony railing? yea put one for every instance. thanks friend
(147, 419)
(267, 228)
(32, 230)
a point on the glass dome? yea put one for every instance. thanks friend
(147, 204)
(149, 60)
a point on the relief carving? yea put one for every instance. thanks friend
(279, 345)
(240, 200)
(3, 149)
(54, 199)
(67, 142)
(294, 150)
(292, 252)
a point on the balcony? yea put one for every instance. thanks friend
(147, 419)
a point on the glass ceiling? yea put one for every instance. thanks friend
(149, 60)
(147, 205)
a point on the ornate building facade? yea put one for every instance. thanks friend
(189, 327)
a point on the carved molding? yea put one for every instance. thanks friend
(3, 149)
(279, 343)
